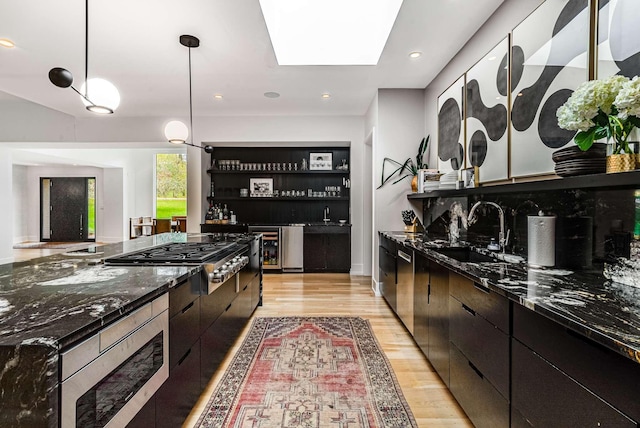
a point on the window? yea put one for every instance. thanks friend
(171, 185)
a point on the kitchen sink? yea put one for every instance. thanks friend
(465, 254)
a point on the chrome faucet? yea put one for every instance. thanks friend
(325, 214)
(471, 218)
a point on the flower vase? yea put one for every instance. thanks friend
(621, 162)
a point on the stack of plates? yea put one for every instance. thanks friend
(573, 161)
(448, 181)
(430, 185)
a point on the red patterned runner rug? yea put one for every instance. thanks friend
(308, 372)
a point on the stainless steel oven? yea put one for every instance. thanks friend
(109, 377)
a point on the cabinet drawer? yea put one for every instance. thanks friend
(480, 400)
(214, 304)
(486, 303)
(177, 396)
(183, 294)
(482, 343)
(183, 331)
(546, 397)
(613, 377)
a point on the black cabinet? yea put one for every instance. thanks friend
(484, 405)
(421, 303)
(544, 396)
(480, 356)
(233, 168)
(177, 396)
(327, 249)
(575, 359)
(387, 276)
(439, 320)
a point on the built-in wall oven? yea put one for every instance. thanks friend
(109, 377)
(271, 248)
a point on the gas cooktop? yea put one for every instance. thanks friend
(177, 253)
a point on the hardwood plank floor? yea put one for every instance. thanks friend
(340, 294)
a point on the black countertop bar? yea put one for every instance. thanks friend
(50, 303)
(583, 301)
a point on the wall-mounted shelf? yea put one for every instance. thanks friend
(276, 199)
(619, 180)
(305, 172)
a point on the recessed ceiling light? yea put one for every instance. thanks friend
(271, 94)
(326, 96)
(491, 58)
(218, 96)
(6, 43)
(415, 54)
(329, 32)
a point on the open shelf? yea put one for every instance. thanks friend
(629, 179)
(278, 199)
(306, 172)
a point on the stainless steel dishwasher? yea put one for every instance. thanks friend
(404, 288)
(293, 248)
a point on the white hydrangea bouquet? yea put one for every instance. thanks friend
(607, 108)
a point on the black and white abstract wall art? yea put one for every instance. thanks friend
(451, 128)
(549, 61)
(486, 114)
(618, 38)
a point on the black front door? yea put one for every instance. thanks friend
(68, 209)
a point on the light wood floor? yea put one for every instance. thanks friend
(341, 294)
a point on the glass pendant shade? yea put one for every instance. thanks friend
(102, 93)
(176, 132)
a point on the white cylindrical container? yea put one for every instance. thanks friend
(541, 240)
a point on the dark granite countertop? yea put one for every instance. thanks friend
(59, 299)
(584, 301)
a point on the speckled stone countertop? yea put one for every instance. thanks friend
(50, 303)
(584, 301)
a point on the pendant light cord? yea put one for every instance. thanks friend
(86, 47)
(190, 99)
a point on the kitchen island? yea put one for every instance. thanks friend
(49, 305)
(517, 345)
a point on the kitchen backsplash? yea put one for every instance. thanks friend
(592, 226)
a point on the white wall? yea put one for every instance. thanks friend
(506, 17)
(6, 195)
(20, 204)
(398, 120)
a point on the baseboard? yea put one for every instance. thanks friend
(20, 239)
(6, 260)
(375, 287)
(110, 239)
(357, 269)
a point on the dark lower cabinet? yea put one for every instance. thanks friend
(387, 276)
(421, 303)
(218, 339)
(439, 321)
(327, 249)
(177, 396)
(544, 396)
(484, 405)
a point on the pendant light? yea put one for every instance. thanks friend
(98, 95)
(175, 131)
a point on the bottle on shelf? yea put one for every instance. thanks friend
(225, 213)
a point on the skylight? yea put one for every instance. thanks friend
(329, 32)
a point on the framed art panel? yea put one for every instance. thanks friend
(549, 59)
(451, 127)
(618, 41)
(486, 114)
(261, 187)
(320, 161)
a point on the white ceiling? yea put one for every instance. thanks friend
(134, 44)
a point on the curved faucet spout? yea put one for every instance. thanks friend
(471, 219)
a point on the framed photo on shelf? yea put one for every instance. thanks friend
(468, 177)
(321, 161)
(261, 187)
